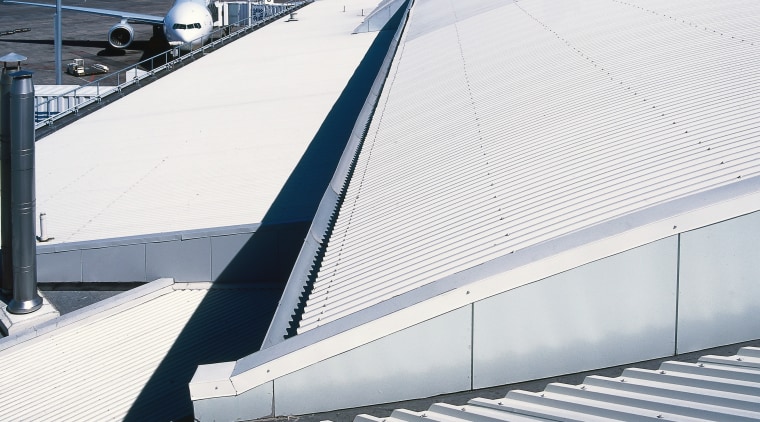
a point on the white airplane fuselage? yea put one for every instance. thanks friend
(188, 24)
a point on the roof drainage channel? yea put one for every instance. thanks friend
(288, 315)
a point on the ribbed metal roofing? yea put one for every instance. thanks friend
(715, 388)
(131, 356)
(505, 124)
(75, 374)
(211, 144)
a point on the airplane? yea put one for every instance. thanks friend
(187, 25)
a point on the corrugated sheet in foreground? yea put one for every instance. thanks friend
(97, 370)
(715, 388)
(504, 126)
(131, 356)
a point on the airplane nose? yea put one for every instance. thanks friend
(189, 36)
(179, 38)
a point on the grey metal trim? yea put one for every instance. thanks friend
(148, 238)
(81, 262)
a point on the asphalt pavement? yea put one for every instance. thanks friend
(84, 37)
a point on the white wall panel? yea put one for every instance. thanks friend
(609, 312)
(720, 284)
(708, 390)
(421, 361)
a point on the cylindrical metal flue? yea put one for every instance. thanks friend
(6, 283)
(26, 299)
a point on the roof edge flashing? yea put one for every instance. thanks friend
(486, 280)
(149, 238)
(212, 380)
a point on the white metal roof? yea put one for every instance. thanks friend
(132, 354)
(505, 124)
(715, 388)
(95, 368)
(211, 144)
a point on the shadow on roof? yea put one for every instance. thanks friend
(232, 320)
(273, 249)
(228, 323)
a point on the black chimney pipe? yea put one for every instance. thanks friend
(26, 299)
(6, 283)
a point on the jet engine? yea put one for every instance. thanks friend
(121, 35)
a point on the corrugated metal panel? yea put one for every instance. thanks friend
(715, 388)
(732, 18)
(209, 145)
(502, 127)
(133, 360)
(97, 370)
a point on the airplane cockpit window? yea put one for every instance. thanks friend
(188, 26)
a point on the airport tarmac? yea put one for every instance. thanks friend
(84, 37)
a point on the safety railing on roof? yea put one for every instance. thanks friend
(48, 111)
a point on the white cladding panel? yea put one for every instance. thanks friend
(434, 357)
(589, 317)
(503, 127)
(716, 388)
(719, 284)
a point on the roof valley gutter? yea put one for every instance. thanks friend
(325, 217)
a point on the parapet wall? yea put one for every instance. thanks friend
(196, 255)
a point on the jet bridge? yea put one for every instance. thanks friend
(227, 13)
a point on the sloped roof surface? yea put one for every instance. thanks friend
(505, 124)
(131, 356)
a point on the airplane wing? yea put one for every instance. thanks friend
(130, 17)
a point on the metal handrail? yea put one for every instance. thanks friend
(132, 75)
